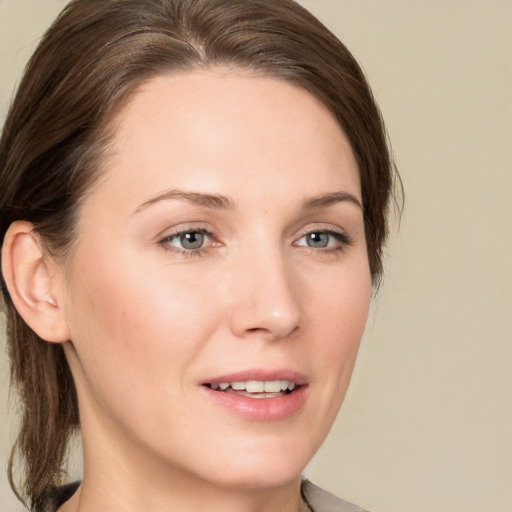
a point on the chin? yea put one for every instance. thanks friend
(261, 466)
(258, 478)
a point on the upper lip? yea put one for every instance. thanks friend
(260, 374)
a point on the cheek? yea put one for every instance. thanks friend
(126, 302)
(340, 317)
(130, 327)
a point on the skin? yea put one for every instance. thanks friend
(150, 320)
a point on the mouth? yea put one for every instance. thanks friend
(255, 388)
(259, 394)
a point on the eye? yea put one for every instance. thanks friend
(192, 240)
(318, 240)
(323, 239)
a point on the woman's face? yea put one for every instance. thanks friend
(224, 245)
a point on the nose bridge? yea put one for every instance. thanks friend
(266, 298)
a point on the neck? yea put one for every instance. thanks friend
(110, 496)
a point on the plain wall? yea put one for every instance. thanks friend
(427, 423)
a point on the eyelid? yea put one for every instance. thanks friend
(322, 228)
(183, 227)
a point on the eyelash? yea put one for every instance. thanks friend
(342, 239)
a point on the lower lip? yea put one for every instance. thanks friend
(261, 409)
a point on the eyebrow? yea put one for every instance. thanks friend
(220, 202)
(214, 201)
(329, 199)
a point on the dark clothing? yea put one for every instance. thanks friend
(57, 496)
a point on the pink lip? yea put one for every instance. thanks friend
(260, 409)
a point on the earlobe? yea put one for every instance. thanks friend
(25, 268)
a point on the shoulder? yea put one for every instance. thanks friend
(322, 501)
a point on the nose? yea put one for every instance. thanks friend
(266, 299)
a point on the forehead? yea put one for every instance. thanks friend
(225, 129)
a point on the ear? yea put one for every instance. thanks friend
(28, 274)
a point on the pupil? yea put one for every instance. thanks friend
(193, 240)
(318, 240)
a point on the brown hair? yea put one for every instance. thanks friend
(92, 58)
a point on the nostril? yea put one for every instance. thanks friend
(274, 333)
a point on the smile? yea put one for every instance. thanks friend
(256, 388)
(259, 394)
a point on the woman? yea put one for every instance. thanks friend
(193, 208)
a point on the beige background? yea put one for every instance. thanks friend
(427, 424)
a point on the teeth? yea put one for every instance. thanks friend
(272, 386)
(254, 395)
(257, 386)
